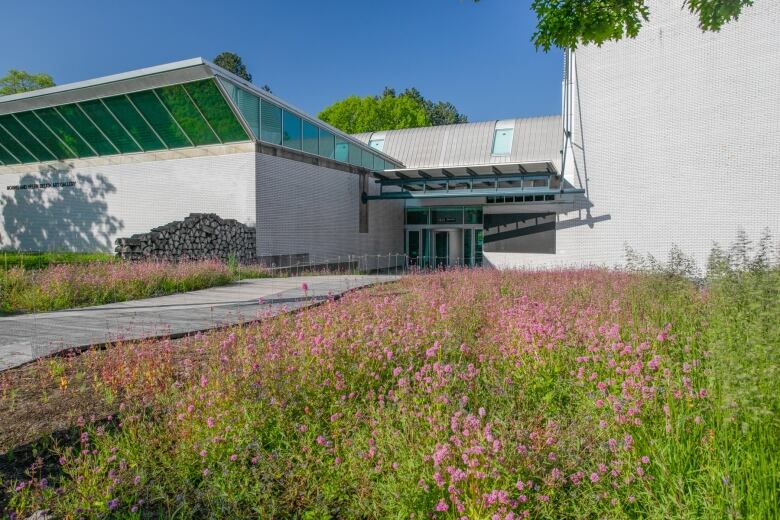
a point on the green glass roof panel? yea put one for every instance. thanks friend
(126, 113)
(44, 135)
(27, 140)
(158, 117)
(65, 132)
(187, 115)
(13, 147)
(5, 155)
(86, 129)
(216, 110)
(109, 125)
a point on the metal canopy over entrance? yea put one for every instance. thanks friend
(513, 179)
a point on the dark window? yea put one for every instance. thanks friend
(416, 216)
(447, 216)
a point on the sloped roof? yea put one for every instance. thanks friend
(535, 139)
(184, 104)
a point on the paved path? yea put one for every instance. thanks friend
(27, 337)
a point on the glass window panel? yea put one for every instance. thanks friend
(473, 215)
(355, 155)
(187, 115)
(5, 155)
(29, 142)
(87, 129)
(230, 89)
(447, 216)
(124, 111)
(377, 144)
(15, 148)
(502, 141)
(216, 110)
(327, 144)
(342, 150)
(467, 238)
(478, 238)
(159, 118)
(272, 123)
(310, 138)
(379, 163)
(292, 130)
(368, 160)
(426, 247)
(249, 106)
(66, 134)
(45, 136)
(108, 124)
(416, 216)
(64, 131)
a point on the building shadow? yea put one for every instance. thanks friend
(56, 209)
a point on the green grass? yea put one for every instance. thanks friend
(41, 260)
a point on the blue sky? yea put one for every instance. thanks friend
(311, 52)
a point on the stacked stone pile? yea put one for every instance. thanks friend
(198, 236)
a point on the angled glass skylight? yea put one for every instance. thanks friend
(180, 105)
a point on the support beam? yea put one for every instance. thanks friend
(474, 178)
(490, 192)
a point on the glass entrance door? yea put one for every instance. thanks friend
(442, 246)
(413, 246)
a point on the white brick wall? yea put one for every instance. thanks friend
(304, 208)
(681, 137)
(117, 200)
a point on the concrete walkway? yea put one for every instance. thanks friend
(27, 337)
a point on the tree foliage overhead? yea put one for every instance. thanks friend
(389, 111)
(20, 81)
(232, 62)
(570, 23)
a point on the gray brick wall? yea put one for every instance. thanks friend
(681, 138)
(303, 208)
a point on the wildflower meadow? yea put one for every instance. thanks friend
(455, 394)
(79, 284)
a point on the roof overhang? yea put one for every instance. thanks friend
(470, 170)
(526, 181)
(116, 84)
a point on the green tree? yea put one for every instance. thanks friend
(389, 112)
(20, 81)
(232, 62)
(570, 23)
